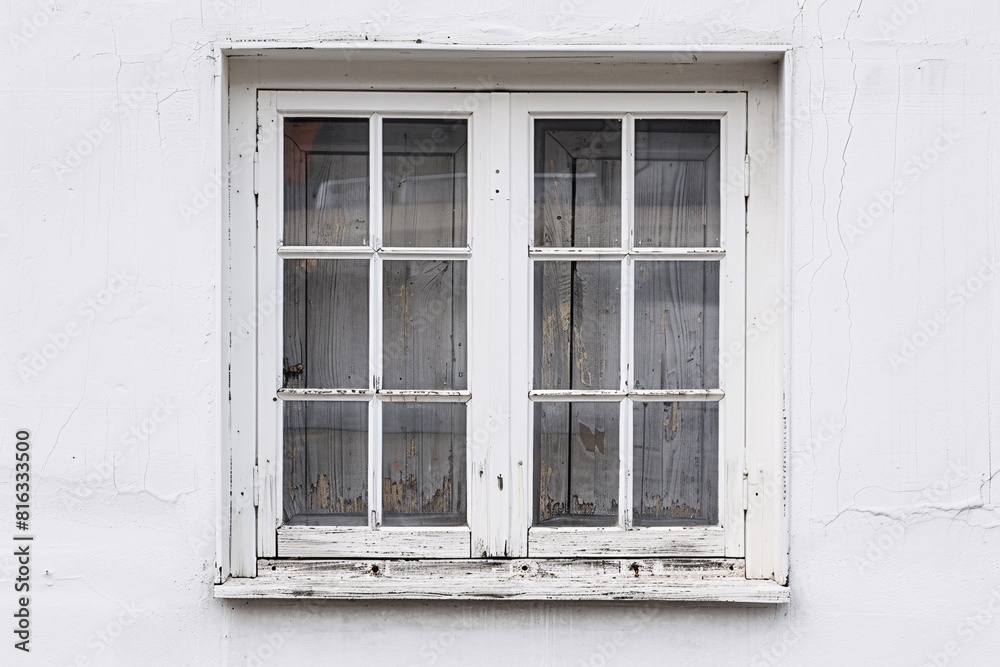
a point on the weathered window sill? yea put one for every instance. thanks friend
(701, 580)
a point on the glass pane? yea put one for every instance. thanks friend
(326, 463)
(326, 182)
(576, 476)
(424, 180)
(677, 183)
(675, 457)
(578, 183)
(326, 324)
(577, 325)
(676, 325)
(423, 464)
(425, 324)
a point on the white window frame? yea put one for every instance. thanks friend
(373, 539)
(725, 539)
(747, 564)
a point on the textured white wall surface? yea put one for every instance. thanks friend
(109, 248)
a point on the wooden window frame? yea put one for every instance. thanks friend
(745, 562)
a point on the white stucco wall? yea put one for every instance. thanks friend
(109, 320)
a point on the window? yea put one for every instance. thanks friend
(503, 342)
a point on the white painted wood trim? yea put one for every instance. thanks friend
(678, 253)
(768, 301)
(650, 53)
(677, 395)
(741, 69)
(242, 338)
(683, 541)
(638, 105)
(498, 299)
(324, 394)
(626, 311)
(732, 323)
(681, 580)
(612, 395)
(580, 254)
(480, 267)
(221, 326)
(269, 281)
(519, 416)
(318, 104)
(375, 343)
(387, 542)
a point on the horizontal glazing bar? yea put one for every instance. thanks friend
(323, 394)
(389, 396)
(677, 253)
(675, 395)
(571, 254)
(669, 395)
(356, 252)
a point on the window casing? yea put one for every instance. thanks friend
(511, 262)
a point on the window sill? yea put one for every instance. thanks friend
(701, 580)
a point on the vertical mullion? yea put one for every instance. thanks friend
(270, 443)
(375, 322)
(627, 325)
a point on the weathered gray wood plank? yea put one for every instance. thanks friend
(578, 461)
(423, 463)
(326, 455)
(325, 323)
(577, 183)
(677, 196)
(337, 200)
(326, 182)
(676, 325)
(676, 463)
(425, 184)
(578, 337)
(425, 201)
(424, 338)
(694, 580)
